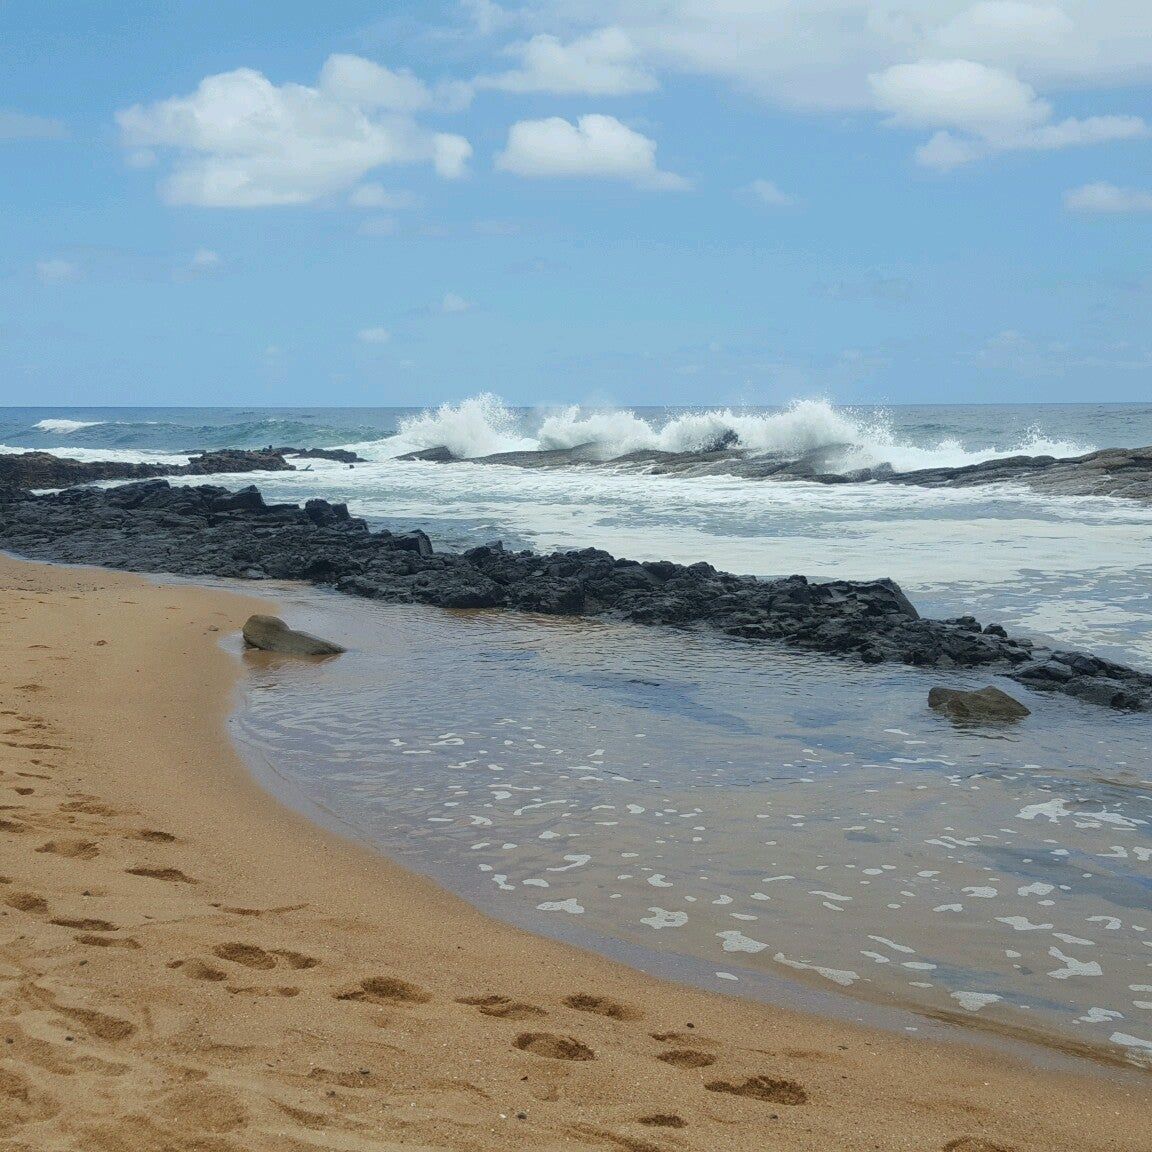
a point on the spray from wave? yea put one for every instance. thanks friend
(483, 426)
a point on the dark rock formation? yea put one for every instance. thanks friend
(271, 634)
(234, 460)
(43, 470)
(1121, 472)
(207, 530)
(340, 455)
(37, 470)
(985, 704)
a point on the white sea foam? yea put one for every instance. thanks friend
(483, 425)
(65, 426)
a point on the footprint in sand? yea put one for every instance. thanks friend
(247, 954)
(553, 1046)
(603, 1006)
(152, 836)
(197, 970)
(252, 956)
(128, 942)
(98, 1024)
(90, 806)
(385, 990)
(85, 925)
(763, 1088)
(663, 1120)
(171, 875)
(71, 849)
(502, 1007)
(27, 902)
(686, 1058)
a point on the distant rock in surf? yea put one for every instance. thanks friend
(271, 634)
(985, 704)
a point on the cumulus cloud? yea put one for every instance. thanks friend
(21, 126)
(769, 194)
(982, 71)
(374, 335)
(1107, 199)
(240, 141)
(57, 271)
(453, 304)
(992, 110)
(604, 63)
(595, 147)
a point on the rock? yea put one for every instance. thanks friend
(986, 704)
(235, 460)
(439, 455)
(207, 530)
(271, 634)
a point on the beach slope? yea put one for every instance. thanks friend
(189, 966)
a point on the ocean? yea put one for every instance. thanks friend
(751, 819)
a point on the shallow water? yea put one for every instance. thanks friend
(735, 813)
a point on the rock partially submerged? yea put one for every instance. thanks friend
(1117, 472)
(271, 634)
(37, 470)
(208, 530)
(985, 704)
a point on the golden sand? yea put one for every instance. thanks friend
(189, 966)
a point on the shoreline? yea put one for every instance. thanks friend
(230, 976)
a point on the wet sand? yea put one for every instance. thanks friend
(188, 965)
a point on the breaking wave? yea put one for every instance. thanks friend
(483, 426)
(63, 427)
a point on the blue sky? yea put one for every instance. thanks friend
(629, 201)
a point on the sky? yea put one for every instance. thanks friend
(587, 201)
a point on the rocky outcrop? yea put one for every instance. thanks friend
(340, 455)
(271, 634)
(43, 470)
(985, 704)
(208, 530)
(38, 470)
(1119, 472)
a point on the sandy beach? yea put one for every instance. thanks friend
(188, 965)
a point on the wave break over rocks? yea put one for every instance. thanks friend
(210, 531)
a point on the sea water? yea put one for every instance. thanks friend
(735, 811)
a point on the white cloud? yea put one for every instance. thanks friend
(1107, 198)
(769, 194)
(204, 260)
(21, 126)
(374, 335)
(378, 197)
(595, 146)
(994, 111)
(240, 141)
(985, 71)
(450, 156)
(57, 271)
(453, 304)
(604, 63)
(961, 94)
(370, 86)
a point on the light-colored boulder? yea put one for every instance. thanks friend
(986, 704)
(271, 634)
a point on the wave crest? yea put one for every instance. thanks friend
(484, 425)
